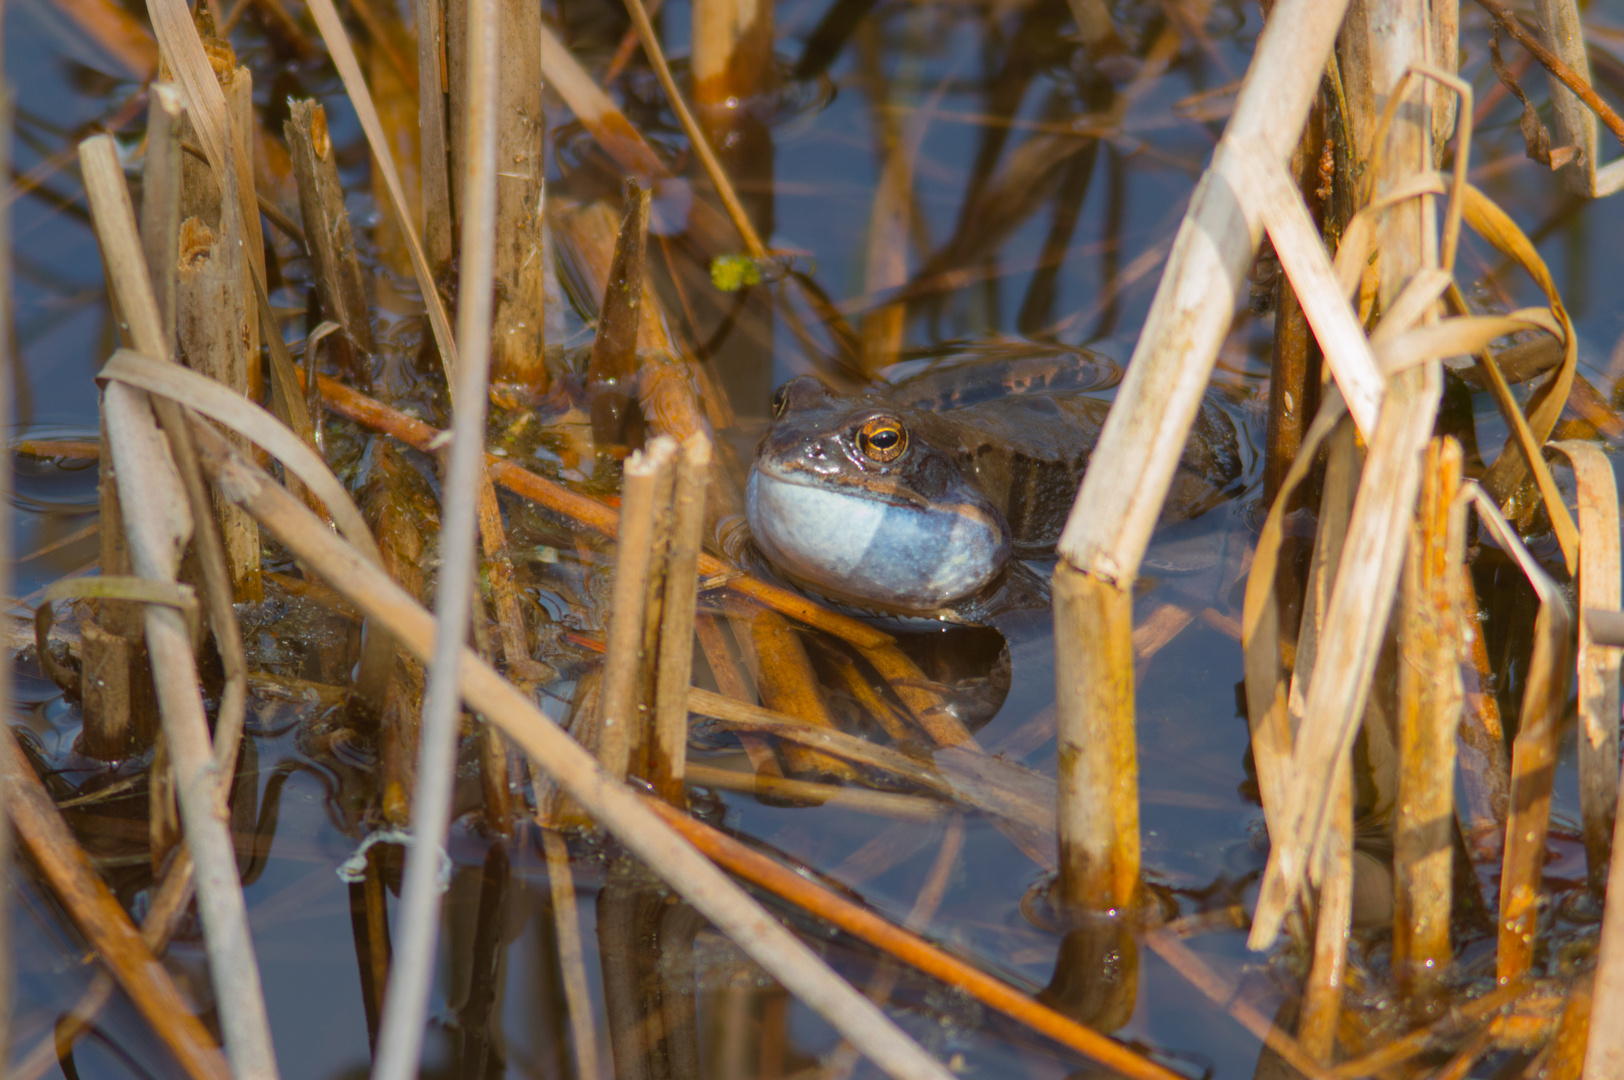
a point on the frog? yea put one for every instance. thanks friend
(918, 499)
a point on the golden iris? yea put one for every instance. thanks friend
(882, 439)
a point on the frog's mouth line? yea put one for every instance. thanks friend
(892, 495)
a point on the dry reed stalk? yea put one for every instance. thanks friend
(1319, 1018)
(612, 369)
(1429, 718)
(396, 703)
(1362, 596)
(160, 199)
(1273, 198)
(217, 129)
(1098, 806)
(1294, 381)
(240, 105)
(1533, 754)
(732, 58)
(48, 840)
(674, 666)
(154, 500)
(205, 271)
(339, 282)
(406, 1003)
(577, 994)
(433, 169)
(788, 685)
(208, 398)
(111, 650)
(1598, 664)
(856, 683)
(1565, 1054)
(878, 803)
(1139, 447)
(519, 339)
(624, 706)
(592, 514)
(574, 770)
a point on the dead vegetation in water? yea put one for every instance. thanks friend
(1353, 159)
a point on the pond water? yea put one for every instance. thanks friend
(1075, 260)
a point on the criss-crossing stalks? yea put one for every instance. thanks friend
(1364, 649)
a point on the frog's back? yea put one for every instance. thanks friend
(1024, 429)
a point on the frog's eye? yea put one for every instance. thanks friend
(780, 401)
(882, 438)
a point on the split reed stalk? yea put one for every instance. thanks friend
(406, 1002)
(674, 667)
(157, 525)
(1430, 697)
(645, 495)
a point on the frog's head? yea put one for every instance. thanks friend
(864, 501)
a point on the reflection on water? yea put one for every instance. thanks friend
(1048, 173)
